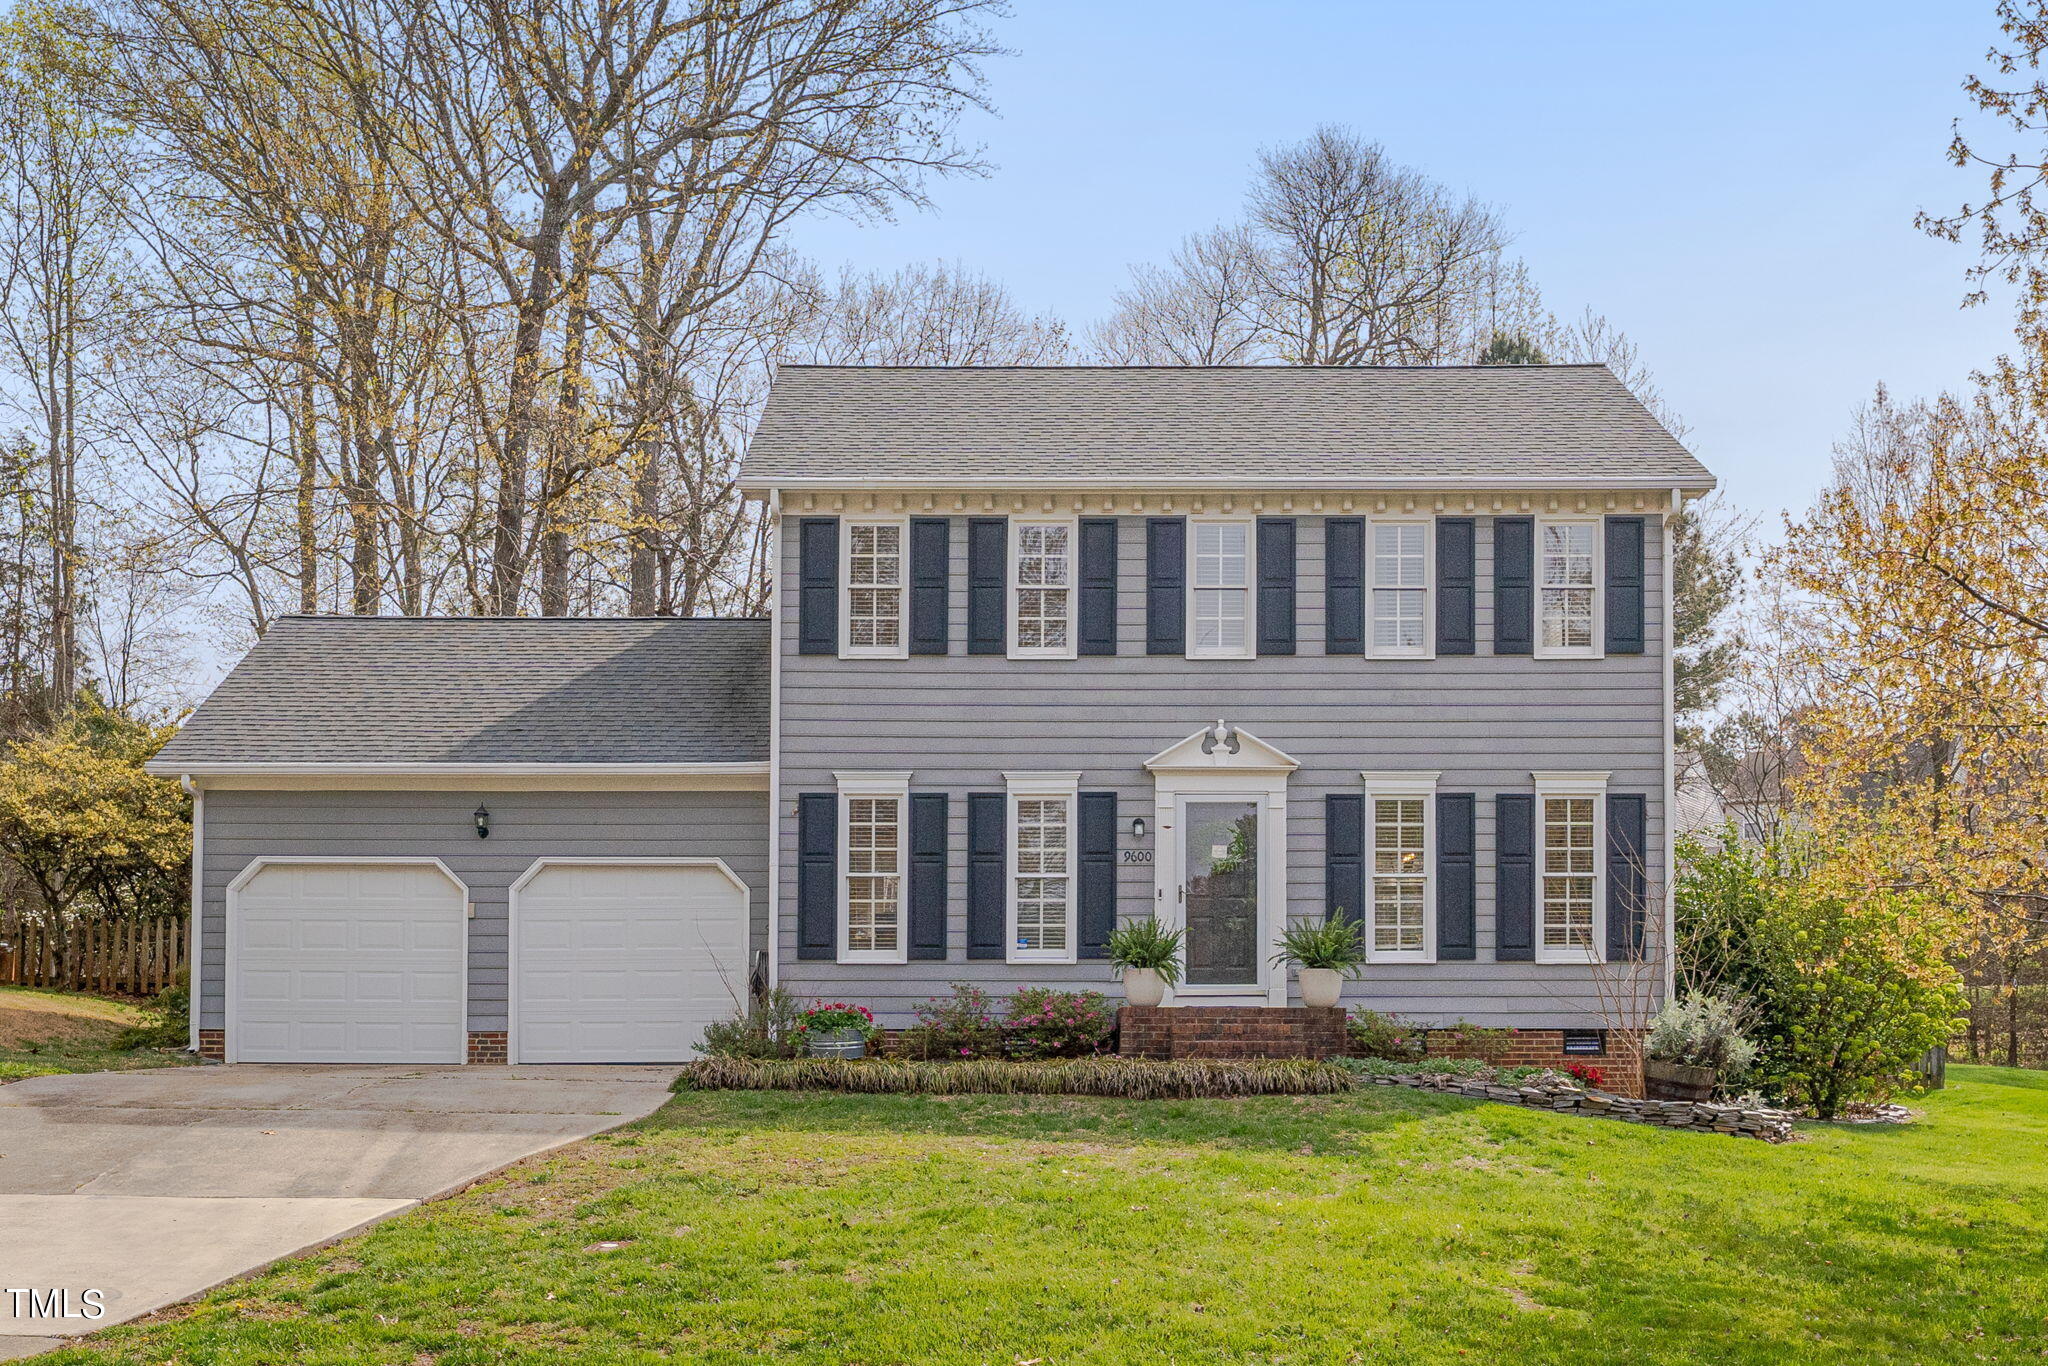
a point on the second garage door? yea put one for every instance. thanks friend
(624, 962)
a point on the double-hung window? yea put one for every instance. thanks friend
(1041, 872)
(1219, 589)
(1398, 570)
(1042, 589)
(874, 846)
(1400, 813)
(872, 568)
(1570, 816)
(1568, 588)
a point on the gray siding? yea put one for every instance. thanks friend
(241, 826)
(957, 722)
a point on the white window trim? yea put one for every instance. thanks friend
(877, 784)
(1013, 588)
(1406, 783)
(1037, 784)
(1574, 783)
(1428, 650)
(1250, 648)
(1598, 648)
(901, 649)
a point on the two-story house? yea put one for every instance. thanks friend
(1050, 648)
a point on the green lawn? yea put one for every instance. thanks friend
(1386, 1226)
(42, 1032)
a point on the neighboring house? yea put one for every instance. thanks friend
(1050, 647)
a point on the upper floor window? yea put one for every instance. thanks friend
(1219, 589)
(1399, 575)
(1568, 581)
(1400, 892)
(1569, 809)
(1041, 880)
(873, 573)
(1042, 583)
(872, 886)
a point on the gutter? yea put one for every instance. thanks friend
(185, 772)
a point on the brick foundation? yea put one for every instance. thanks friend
(1229, 1032)
(1621, 1064)
(487, 1046)
(213, 1045)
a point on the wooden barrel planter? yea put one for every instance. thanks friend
(1674, 1081)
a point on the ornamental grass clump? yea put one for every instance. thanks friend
(1116, 1078)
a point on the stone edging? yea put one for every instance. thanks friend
(1549, 1091)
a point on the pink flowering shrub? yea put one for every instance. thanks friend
(1043, 1023)
(963, 1025)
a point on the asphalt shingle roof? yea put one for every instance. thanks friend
(1162, 427)
(455, 690)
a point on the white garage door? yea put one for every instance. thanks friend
(624, 962)
(348, 962)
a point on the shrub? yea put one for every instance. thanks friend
(1146, 944)
(1121, 1078)
(1465, 1040)
(1856, 991)
(1586, 1074)
(764, 1028)
(963, 1025)
(1699, 1030)
(1382, 1036)
(1334, 944)
(1044, 1023)
(170, 1018)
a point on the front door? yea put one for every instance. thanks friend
(1220, 881)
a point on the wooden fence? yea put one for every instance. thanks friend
(125, 957)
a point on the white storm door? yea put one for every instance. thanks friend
(348, 962)
(624, 962)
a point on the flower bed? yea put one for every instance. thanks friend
(1126, 1078)
(1550, 1091)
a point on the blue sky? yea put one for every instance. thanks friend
(1732, 184)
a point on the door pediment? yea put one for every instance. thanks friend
(1222, 747)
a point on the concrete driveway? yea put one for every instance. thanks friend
(149, 1187)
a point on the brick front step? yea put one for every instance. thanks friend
(1229, 1032)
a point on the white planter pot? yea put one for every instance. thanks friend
(1144, 986)
(1320, 987)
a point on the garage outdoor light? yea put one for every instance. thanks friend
(1137, 827)
(483, 823)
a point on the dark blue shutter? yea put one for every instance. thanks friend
(1344, 856)
(1276, 585)
(1097, 634)
(817, 875)
(927, 876)
(1514, 585)
(931, 550)
(987, 840)
(988, 553)
(1514, 878)
(1166, 581)
(1624, 585)
(1456, 587)
(817, 591)
(1627, 875)
(1456, 896)
(1344, 586)
(1096, 909)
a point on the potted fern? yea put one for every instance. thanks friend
(1148, 955)
(1324, 953)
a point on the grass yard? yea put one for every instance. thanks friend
(42, 1032)
(1384, 1226)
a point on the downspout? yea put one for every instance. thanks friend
(774, 738)
(194, 978)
